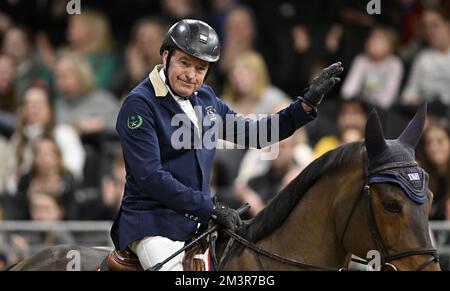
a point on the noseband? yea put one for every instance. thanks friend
(387, 258)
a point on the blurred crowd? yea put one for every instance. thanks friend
(63, 77)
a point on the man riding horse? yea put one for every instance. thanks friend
(167, 192)
(359, 198)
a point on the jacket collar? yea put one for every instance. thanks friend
(158, 84)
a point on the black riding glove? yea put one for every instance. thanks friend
(322, 84)
(226, 217)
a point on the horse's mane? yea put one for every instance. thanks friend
(278, 210)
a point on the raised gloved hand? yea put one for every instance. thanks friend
(322, 84)
(226, 217)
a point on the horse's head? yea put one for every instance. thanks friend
(398, 197)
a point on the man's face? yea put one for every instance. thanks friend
(186, 73)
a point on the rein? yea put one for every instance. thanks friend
(259, 251)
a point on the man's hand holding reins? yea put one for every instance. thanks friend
(226, 217)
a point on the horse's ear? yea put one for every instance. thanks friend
(375, 142)
(412, 133)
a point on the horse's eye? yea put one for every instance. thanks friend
(392, 206)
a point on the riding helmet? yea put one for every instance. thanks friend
(195, 38)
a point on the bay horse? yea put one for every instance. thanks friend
(349, 201)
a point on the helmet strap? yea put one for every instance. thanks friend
(169, 58)
(166, 71)
(210, 68)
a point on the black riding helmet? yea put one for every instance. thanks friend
(195, 38)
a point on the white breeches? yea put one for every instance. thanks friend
(155, 249)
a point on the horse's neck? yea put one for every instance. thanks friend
(312, 231)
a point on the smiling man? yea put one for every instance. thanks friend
(167, 192)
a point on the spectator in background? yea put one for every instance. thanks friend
(376, 74)
(239, 37)
(47, 175)
(17, 44)
(148, 36)
(91, 111)
(430, 76)
(249, 89)
(174, 10)
(436, 161)
(89, 34)
(44, 207)
(141, 53)
(48, 207)
(7, 95)
(81, 105)
(35, 120)
(351, 121)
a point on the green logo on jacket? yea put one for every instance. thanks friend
(134, 121)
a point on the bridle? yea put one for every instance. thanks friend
(386, 258)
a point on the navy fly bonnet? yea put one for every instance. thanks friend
(394, 161)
